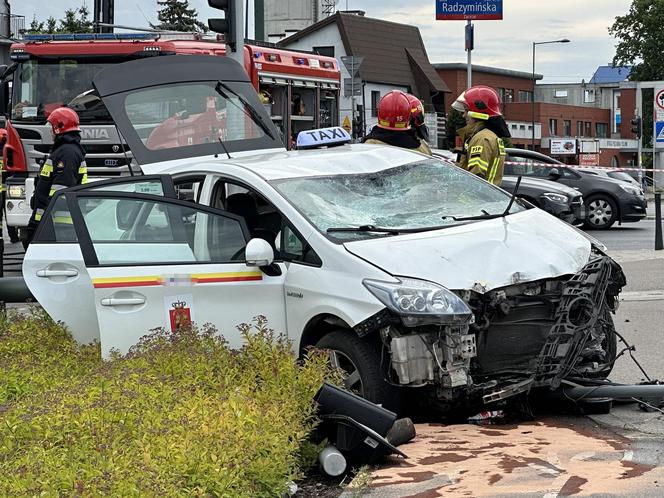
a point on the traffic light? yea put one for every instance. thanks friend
(225, 26)
(636, 126)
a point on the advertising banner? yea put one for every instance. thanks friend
(563, 146)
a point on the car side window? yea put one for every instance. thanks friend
(141, 231)
(293, 248)
(189, 189)
(57, 225)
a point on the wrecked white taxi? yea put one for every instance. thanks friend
(411, 271)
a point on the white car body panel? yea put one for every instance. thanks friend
(66, 299)
(485, 255)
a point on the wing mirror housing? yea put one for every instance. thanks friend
(259, 253)
(554, 174)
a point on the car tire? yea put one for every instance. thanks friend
(601, 212)
(360, 359)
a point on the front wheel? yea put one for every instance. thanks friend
(360, 361)
(601, 212)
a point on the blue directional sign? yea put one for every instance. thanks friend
(659, 132)
(473, 10)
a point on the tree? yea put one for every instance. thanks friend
(640, 40)
(76, 21)
(175, 15)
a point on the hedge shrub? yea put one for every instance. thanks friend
(179, 415)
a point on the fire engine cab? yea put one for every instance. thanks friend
(299, 90)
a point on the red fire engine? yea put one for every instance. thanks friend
(299, 90)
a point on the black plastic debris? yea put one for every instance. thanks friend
(355, 426)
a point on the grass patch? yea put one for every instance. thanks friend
(180, 415)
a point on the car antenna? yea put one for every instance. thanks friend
(516, 190)
(223, 146)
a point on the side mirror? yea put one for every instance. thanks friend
(554, 174)
(259, 253)
(125, 212)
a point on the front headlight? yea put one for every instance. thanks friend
(419, 301)
(630, 189)
(16, 191)
(555, 197)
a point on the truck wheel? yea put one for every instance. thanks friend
(602, 212)
(360, 360)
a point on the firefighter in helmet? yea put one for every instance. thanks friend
(65, 166)
(394, 124)
(417, 125)
(483, 148)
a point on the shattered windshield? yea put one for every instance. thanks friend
(42, 85)
(419, 195)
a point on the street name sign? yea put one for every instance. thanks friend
(469, 10)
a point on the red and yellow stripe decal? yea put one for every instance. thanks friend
(199, 278)
(105, 283)
(241, 276)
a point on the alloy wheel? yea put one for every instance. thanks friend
(351, 375)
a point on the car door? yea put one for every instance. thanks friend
(53, 266)
(164, 263)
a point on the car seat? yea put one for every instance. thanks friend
(244, 205)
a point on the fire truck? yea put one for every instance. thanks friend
(299, 90)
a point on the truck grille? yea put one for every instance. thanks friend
(89, 148)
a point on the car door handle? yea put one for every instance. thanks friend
(122, 301)
(57, 273)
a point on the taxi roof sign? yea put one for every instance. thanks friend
(322, 137)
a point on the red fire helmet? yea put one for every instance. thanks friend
(64, 119)
(394, 111)
(483, 102)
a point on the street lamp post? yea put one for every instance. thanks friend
(532, 100)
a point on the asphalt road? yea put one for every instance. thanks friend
(629, 236)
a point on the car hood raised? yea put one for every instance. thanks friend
(484, 255)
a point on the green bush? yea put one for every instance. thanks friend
(180, 415)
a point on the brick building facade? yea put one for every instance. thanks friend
(604, 120)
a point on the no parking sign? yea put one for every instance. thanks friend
(659, 117)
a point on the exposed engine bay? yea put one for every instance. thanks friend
(523, 336)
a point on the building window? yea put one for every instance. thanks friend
(560, 94)
(501, 94)
(375, 98)
(525, 96)
(553, 127)
(589, 96)
(509, 95)
(567, 128)
(602, 130)
(579, 128)
(326, 51)
(588, 129)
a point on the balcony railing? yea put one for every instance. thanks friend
(11, 25)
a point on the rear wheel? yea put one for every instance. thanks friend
(360, 361)
(602, 212)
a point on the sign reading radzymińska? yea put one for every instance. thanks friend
(474, 10)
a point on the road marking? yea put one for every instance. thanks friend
(651, 295)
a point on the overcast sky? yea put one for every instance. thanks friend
(506, 43)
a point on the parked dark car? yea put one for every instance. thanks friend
(607, 200)
(557, 199)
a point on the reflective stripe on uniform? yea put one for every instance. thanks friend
(477, 162)
(62, 217)
(55, 188)
(83, 170)
(47, 169)
(38, 214)
(494, 170)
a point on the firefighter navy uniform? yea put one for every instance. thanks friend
(65, 167)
